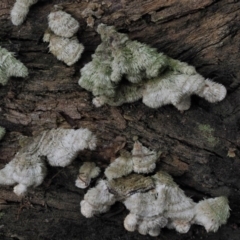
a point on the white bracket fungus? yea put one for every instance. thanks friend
(10, 66)
(59, 147)
(144, 160)
(97, 200)
(62, 23)
(177, 89)
(68, 50)
(121, 166)
(20, 11)
(212, 213)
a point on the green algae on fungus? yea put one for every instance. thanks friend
(124, 70)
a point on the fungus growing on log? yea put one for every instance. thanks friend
(59, 147)
(155, 202)
(152, 76)
(140, 160)
(61, 35)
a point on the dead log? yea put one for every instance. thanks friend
(200, 148)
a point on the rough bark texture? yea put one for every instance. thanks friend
(201, 147)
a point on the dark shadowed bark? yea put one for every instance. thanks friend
(200, 147)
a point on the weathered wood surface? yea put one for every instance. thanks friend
(195, 145)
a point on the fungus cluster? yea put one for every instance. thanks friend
(61, 35)
(59, 147)
(121, 71)
(151, 76)
(154, 201)
(140, 160)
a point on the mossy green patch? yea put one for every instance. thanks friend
(208, 133)
(1, 214)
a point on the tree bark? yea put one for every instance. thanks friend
(200, 148)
